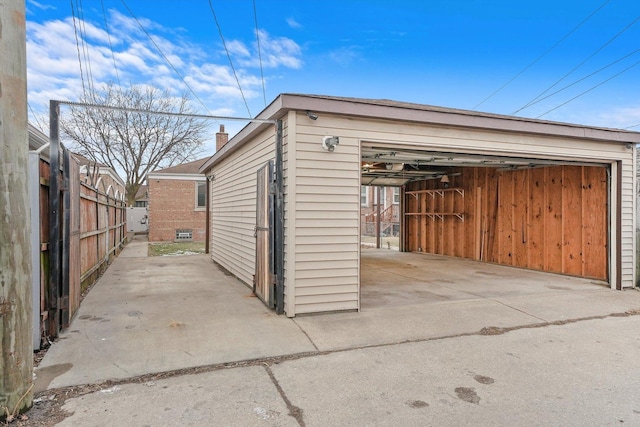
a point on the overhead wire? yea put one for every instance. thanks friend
(41, 125)
(578, 81)
(165, 57)
(75, 30)
(255, 18)
(541, 56)
(215, 18)
(590, 89)
(106, 27)
(581, 63)
(85, 47)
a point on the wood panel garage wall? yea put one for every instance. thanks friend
(552, 219)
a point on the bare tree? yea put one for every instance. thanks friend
(134, 143)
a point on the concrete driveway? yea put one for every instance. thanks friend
(158, 314)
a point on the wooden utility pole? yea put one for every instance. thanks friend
(16, 344)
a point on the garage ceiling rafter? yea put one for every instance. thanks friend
(397, 166)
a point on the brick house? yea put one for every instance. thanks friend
(177, 200)
(177, 203)
(389, 201)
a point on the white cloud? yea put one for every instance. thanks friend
(291, 22)
(275, 52)
(238, 48)
(345, 55)
(622, 117)
(40, 6)
(54, 67)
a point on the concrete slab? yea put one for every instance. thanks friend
(245, 397)
(578, 374)
(138, 247)
(163, 313)
(406, 323)
(575, 374)
(157, 314)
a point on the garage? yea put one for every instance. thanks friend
(532, 213)
(500, 190)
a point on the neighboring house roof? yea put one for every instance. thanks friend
(385, 109)
(85, 164)
(38, 141)
(183, 171)
(142, 195)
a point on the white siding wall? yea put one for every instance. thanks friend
(233, 206)
(327, 194)
(326, 223)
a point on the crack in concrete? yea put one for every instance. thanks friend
(80, 390)
(294, 411)
(306, 334)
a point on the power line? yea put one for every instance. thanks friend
(541, 56)
(632, 126)
(576, 82)
(75, 30)
(255, 17)
(41, 126)
(85, 48)
(215, 18)
(590, 89)
(113, 57)
(165, 58)
(583, 62)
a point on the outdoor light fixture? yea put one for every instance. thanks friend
(445, 180)
(312, 116)
(329, 142)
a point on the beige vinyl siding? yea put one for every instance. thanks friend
(288, 181)
(327, 193)
(327, 215)
(628, 222)
(233, 206)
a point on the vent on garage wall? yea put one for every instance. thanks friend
(184, 235)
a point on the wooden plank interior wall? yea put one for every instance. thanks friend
(551, 219)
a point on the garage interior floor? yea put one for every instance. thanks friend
(390, 278)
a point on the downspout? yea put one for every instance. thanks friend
(279, 221)
(207, 216)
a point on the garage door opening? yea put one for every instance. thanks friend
(537, 214)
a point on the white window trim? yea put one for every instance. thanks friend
(201, 208)
(396, 194)
(366, 195)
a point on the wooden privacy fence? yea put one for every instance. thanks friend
(91, 230)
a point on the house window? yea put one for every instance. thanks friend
(364, 195)
(396, 195)
(140, 204)
(383, 196)
(184, 234)
(201, 195)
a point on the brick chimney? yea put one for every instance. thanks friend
(221, 138)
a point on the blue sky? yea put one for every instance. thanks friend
(441, 52)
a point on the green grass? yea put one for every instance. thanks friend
(175, 249)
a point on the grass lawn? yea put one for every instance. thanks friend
(174, 249)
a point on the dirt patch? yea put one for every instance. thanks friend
(417, 404)
(484, 380)
(175, 249)
(468, 394)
